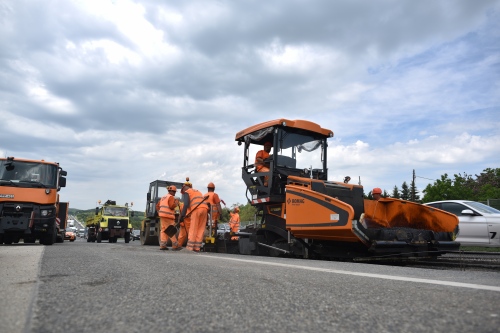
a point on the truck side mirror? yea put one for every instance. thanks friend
(97, 211)
(148, 196)
(62, 182)
(132, 213)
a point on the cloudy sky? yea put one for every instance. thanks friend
(123, 92)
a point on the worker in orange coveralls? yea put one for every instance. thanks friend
(215, 207)
(260, 157)
(234, 222)
(166, 210)
(194, 205)
(185, 224)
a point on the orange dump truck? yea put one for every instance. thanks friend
(29, 201)
(303, 214)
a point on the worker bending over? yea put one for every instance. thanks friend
(196, 207)
(185, 224)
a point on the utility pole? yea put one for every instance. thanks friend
(413, 189)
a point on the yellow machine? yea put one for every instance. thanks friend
(111, 221)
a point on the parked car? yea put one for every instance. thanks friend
(479, 224)
(223, 228)
(81, 233)
(70, 235)
(135, 235)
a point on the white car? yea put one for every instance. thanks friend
(479, 224)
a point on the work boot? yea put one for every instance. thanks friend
(163, 248)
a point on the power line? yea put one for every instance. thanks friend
(425, 178)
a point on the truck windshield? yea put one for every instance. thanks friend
(300, 151)
(28, 174)
(116, 211)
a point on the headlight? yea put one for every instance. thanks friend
(45, 212)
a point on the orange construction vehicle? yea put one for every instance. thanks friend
(29, 200)
(303, 214)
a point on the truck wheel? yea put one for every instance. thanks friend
(127, 237)
(99, 237)
(49, 238)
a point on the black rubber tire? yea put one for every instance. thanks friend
(99, 237)
(49, 238)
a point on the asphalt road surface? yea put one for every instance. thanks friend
(90, 287)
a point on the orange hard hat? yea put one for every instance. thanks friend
(377, 190)
(210, 185)
(172, 188)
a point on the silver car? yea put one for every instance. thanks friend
(479, 224)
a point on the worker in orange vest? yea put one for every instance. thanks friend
(196, 207)
(185, 224)
(260, 164)
(215, 207)
(234, 222)
(166, 210)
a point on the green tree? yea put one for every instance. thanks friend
(395, 193)
(414, 197)
(405, 191)
(465, 187)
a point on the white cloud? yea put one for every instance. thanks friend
(123, 92)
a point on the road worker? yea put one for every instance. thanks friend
(185, 224)
(377, 193)
(261, 165)
(196, 207)
(215, 207)
(234, 222)
(166, 210)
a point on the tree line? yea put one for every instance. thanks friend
(480, 187)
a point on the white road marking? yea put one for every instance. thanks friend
(370, 275)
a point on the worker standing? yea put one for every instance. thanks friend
(166, 210)
(215, 207)
(185, 224)
(234, 222)
(196, 207)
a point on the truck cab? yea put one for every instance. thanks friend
(29, 200)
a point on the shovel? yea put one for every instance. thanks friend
(172, 229)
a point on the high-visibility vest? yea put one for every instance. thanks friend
(165, 211)
(195, 197)
(214, 210)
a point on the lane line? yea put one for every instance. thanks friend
(370, 275)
